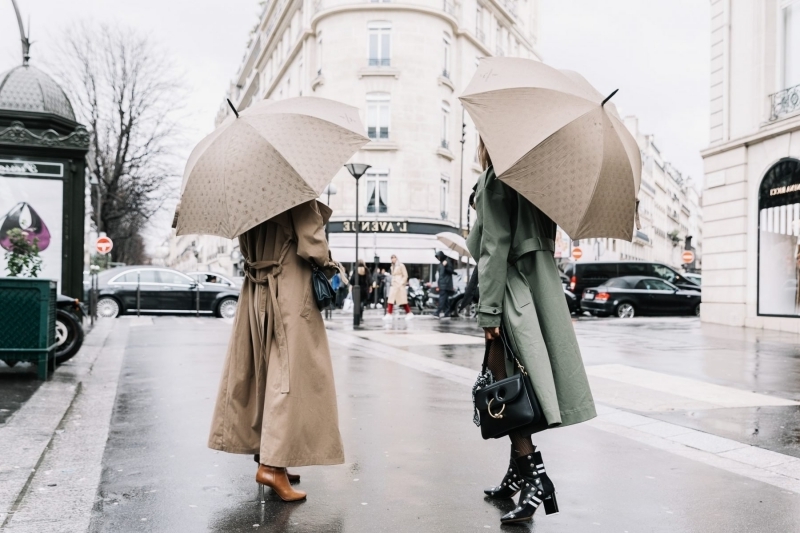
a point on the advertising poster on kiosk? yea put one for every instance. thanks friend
(34, 205)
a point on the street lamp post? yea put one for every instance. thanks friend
(356, 170)
(330, 190)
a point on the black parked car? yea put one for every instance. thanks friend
(629, 296)
(587, 274)
(161, 291)
(69, 328)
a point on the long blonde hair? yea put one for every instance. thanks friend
(483, 155)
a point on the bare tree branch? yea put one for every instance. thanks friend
(128, 95)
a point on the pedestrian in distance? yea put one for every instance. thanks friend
(398, 293)
(277, 398)
(363, 282)
(521, 292)
(342, 291)
(445, 285)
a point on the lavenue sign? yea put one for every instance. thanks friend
(31, 169)
(389, 226)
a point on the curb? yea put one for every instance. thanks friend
(29, 432)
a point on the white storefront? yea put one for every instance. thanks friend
(752, 184)
(403, 65)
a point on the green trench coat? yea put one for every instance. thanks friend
(520, 289)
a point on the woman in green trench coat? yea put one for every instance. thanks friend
(521, 291)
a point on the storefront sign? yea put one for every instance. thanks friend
(32, 169)
(375, 226)
(785, 189)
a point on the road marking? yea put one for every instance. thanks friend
(413, 338)
(755, 463)
(710, 395)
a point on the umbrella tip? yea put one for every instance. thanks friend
(237, 113)
(601, 105)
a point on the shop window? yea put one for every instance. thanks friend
(377, 191)
(779, 240)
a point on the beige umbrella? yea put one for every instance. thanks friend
(264, 161)
(455, 242)
(558, 142)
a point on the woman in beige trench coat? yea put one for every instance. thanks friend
(398, 293)
(277, 397)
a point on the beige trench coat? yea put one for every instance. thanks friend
(277, 395)
(398, 294)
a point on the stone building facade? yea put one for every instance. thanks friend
(751, 192)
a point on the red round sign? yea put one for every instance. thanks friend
(687, 256)
(577, 253)
(104, 245)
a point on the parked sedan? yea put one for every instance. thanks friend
(629, 296)
(156, 290)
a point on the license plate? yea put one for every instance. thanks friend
(588, 296)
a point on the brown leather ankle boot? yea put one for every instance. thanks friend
(293, 478)
(275, 478)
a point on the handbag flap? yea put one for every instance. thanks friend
(503, 391)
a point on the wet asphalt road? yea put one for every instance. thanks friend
(415, 461)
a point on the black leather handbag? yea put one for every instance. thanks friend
(505, 405)
(323, 292)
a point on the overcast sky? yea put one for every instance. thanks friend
(655, 51)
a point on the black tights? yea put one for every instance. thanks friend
(521, 442)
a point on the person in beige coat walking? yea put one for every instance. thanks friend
(277, 397)
(398, 293)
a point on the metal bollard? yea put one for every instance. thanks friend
(138, 293)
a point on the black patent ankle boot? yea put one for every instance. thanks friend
(510, 485)
(537, 489)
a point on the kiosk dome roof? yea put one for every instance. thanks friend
(26, 88)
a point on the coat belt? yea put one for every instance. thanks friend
(533, 244)
(263, 274)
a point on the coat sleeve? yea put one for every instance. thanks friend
(311, 242)
(494, 248)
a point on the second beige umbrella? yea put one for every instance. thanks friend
(264, 161)
(558, 142)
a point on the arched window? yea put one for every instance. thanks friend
(779, 240)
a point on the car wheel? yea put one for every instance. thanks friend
(227, 308)
(625, 310)
(107, 307)
(69, 336)
(697, 310)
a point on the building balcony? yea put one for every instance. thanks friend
(784, 103)
(445, 144)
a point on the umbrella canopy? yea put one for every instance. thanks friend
(455, 242)
(266, 160)
(558, 142)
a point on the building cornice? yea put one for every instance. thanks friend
(336, 10)
(775, 130)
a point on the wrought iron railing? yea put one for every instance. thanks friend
(379, 62)
(445, 144)
(445, 73)
(785, 102)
